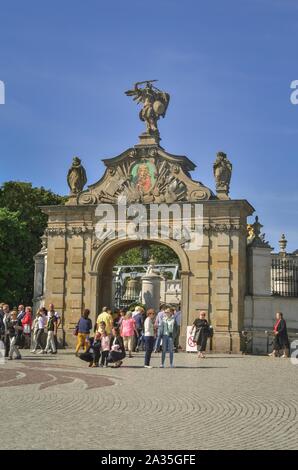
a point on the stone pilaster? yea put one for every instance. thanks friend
(259, 272)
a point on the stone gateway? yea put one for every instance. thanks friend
(74, 266)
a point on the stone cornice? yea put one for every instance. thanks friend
(53, 210)
(81, 230)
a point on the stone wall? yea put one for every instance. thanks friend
(261, 306)
(260, 317)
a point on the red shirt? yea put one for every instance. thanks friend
(276, 324)
(27, 320)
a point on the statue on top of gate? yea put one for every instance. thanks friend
(155, 103)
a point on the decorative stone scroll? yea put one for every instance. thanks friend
(146, 175)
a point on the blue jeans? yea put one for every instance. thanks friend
(158, 339)
(167, 345)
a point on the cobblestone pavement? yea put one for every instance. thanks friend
(222, 402)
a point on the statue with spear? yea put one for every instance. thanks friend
(155, 103)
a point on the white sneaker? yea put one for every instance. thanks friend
(33, 351)
(162, 366)
(148, 367)
(41, 352)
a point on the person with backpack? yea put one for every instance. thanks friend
(57, 315)
(52, 332)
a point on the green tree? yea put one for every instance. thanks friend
(24, 201)
(161, 253)
(13, 239)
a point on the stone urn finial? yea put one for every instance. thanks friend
(283, 244)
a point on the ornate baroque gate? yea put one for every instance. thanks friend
(76, 263)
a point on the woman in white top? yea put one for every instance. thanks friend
(38, 328)
(149, 337)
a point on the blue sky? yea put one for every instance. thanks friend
(228, 65)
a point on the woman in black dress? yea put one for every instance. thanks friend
(202, 333)
(280, 340)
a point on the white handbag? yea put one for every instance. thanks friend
(27, 329)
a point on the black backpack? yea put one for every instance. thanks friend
(210, 332)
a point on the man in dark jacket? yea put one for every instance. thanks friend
(15, 329)
(6, 318)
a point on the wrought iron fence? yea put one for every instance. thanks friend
(284, 277)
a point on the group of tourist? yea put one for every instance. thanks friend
(19, 329)
(116, 335)
(123, 332)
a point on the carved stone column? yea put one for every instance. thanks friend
(185, 317)
(40, 274)
(151, 291)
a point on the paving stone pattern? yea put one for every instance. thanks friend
(222, 402)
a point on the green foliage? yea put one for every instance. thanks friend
(13, 240)
(130, 257)
(161, 253)
(20, 211)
